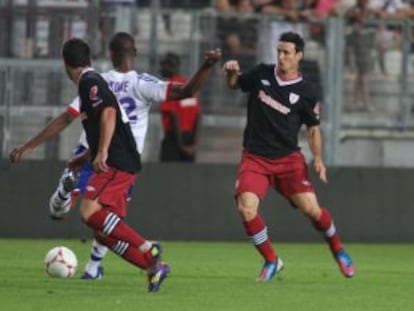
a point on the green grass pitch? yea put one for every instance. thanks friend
(212, 276)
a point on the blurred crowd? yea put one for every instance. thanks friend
(373, 28)
(295, 10)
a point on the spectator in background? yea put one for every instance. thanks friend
(290, 18)
(174, 4)
(321, 10)
(409, 13)
(109, 11)
(287, 8)
(224, 5)
(179, 118)
(409, 10)
(238, 31)
(389, 35)
(361, 44)
(342, 6)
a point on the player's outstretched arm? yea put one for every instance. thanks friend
(315, 144)
(179, 91)
(51, 129)
(232, 70)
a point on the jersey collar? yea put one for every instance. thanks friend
(85, 70)
(115, 71)
(286, 82)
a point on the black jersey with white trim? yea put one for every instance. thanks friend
(95, 95)
(276, 111)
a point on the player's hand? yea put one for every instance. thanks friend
(16, 154)
(231, 66)
(320, 168)
(212, 57)
(232, 70)
(99, 163)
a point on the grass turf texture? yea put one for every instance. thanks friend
(212, 276)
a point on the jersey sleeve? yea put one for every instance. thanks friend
(95, 92)
(74, 107)
(169, 106)
(311, 111)
(152, 89)
(248, 80)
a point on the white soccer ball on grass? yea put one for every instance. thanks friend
(61, 262)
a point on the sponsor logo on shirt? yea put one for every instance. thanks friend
(95, 104)
(293, 98)
(273, 103)
(93, 93)
(265, 82)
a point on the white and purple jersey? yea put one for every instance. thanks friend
(136, 93)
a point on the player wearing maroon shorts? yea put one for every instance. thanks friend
(136, 93)
(115, 161)
(280, 101)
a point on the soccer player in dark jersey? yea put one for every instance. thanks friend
(279, 102)
(138, 92)
(115, 161)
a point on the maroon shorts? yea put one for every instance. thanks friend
(111, 189)
(288, 175)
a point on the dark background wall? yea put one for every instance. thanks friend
(195, 202)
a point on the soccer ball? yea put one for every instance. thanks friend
(61, 262)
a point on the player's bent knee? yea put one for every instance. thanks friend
(88, 208)
(307, 204)
(248, 206)
(248, 214)
(84, 216)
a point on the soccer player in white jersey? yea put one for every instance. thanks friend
(136, 93)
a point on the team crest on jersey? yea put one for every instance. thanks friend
(265, 82)
(293, 98)
(93, 93)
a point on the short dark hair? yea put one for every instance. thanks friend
(76, 53)
(170, 64)
(171, 59)
(121, 45)
(294, 38)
